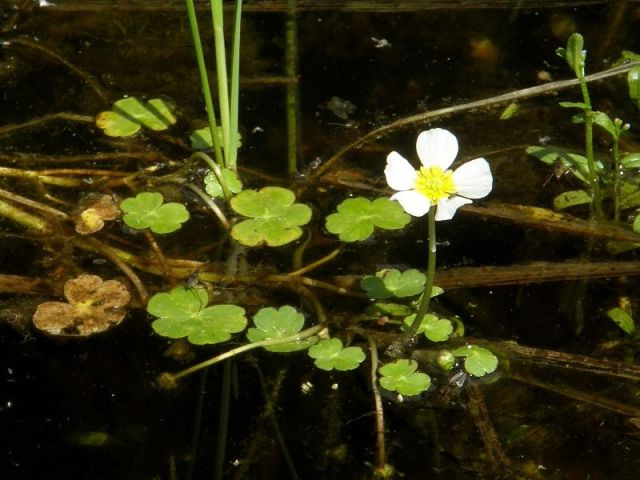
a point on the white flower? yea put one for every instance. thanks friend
(434, 184)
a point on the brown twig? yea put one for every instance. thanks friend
(37, 122)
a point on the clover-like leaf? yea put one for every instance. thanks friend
(329, 354)
(390, 282)
(94, 306)
(201, 138)
(130, 114)
(401, 376)
(213, 187)
(148, 210)
(283, 322)
(478, 361)
(183, 312)
(275, 218)
(356, 218)
(622, 319)
(94, 210)
(434, 328)
(388, 308)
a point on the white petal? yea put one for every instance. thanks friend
(473, 179)
(399, 172)
(437, 147)
(447, 207)
(413, 202)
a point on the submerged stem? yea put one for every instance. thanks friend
(431, 274)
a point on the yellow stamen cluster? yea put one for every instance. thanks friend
(435, 184)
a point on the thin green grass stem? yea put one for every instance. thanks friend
(204, 80)
(216, 171)
(616, 179)
(235, 87)
(291, 70)
(217, 16)
(431, 274)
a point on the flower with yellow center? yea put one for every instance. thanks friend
(434, 185)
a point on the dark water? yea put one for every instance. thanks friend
(90, 409)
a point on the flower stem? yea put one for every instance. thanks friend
(431, 274)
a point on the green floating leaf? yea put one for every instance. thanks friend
(356, 218)
(478, 361)
(130, 114)
(434, 328)
(212, 184)
(284, 322)
(329, 354)
(147, 210)
(276, 219)
(622, 319)
(631, 161)
(201, 138)
(401, 376)
(510, 111)
(389, 309)
(390, 282)
(183, 312)
(571, 198)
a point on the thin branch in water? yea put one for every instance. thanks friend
(159, 255)
(313, 265)
(41, 121)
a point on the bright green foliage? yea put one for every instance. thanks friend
(390, 282)
(148, 210)
(401, 376)
(275, 221)
(622, 319)
(283, 322)
(629, 195)
(478, 361)
(434, 328)
(389, 309)
(213, 187)
(130, 114)
(571, 198)
(329, 354)
(631, 161)
(574, 54)
(510, 111)
(183, 312)
(201, 138)
(357, 217)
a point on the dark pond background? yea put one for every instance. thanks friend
(89, 409)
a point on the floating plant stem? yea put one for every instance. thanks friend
(431, 274)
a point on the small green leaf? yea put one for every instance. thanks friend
(329, 354)
(356, 218)
(147, 210)
(129, 114)
(510, 111)
(573, 162)
(636, 225)
(629, 195)
(212, 185)
(623, 320)
(183, 312)
(284, 322)
(571, 198)
(389, 309)
(580, 105)
(276, 219)
(390, 282)
(434, 328)
(633, 80)
(401, 376)
(575, 54)
(478, 361)
(601, 119)
(631, 161)
(201, 138)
